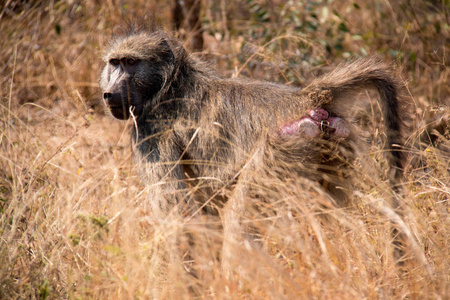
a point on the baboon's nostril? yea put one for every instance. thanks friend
(107, 96)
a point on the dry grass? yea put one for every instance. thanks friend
(74, 217)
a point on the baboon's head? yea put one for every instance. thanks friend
(138, 67)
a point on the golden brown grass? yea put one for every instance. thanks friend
(74, 217)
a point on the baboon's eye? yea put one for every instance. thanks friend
(114, 62)
(131, 61)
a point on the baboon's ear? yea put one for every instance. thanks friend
(166, 51)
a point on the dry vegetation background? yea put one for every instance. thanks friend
(74, 217)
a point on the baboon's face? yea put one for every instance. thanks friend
(120, 92)
(135, 72)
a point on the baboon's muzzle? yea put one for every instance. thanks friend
(118, 105)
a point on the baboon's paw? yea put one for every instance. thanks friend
(317, 122)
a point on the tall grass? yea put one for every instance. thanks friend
(75, 219)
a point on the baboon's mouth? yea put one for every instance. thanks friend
(119, 112)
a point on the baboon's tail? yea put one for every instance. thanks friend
(364, 74)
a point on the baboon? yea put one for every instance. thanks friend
(195, 131)
(195, 124)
